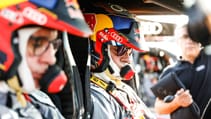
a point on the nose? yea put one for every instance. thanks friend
(49, 56)
(126, 57)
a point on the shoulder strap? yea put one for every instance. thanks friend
(112, 90)
(109, 87)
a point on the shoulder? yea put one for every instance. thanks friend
(100, 93)
(41, 97)
(101, 97)
(19, 112)
(169, 68)
(203, 56)
(173, 65)
(180, 65)
(6, 113)
(104, 105)
(45, 105)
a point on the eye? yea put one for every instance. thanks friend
(38, 43)
(114, 50)
(185, 36)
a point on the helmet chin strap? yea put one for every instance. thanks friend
(23, 69)
(14, 84)
(115, 69)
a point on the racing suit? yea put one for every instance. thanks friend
(115, 100)
(39, 106)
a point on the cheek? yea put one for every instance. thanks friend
(116, 60)
(32, 62)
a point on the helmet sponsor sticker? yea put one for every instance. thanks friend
(28, 12)
(34, 15)
(12, 16)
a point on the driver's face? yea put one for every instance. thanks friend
(123, 59)
(38, 60)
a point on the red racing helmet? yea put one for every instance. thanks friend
(107, 30)
(62, 15)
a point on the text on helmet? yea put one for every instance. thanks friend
(28, 12)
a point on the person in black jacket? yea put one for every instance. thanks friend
(199, 29)
(193, 71)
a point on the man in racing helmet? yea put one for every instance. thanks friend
(29, 37)
(112, 43)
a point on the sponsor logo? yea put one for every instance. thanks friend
(28, 12)
(109, 34)
(34, 15)
(115, 36)
(103, 36)
(12, 16)
(151, 28)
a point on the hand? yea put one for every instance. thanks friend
(183, 98)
